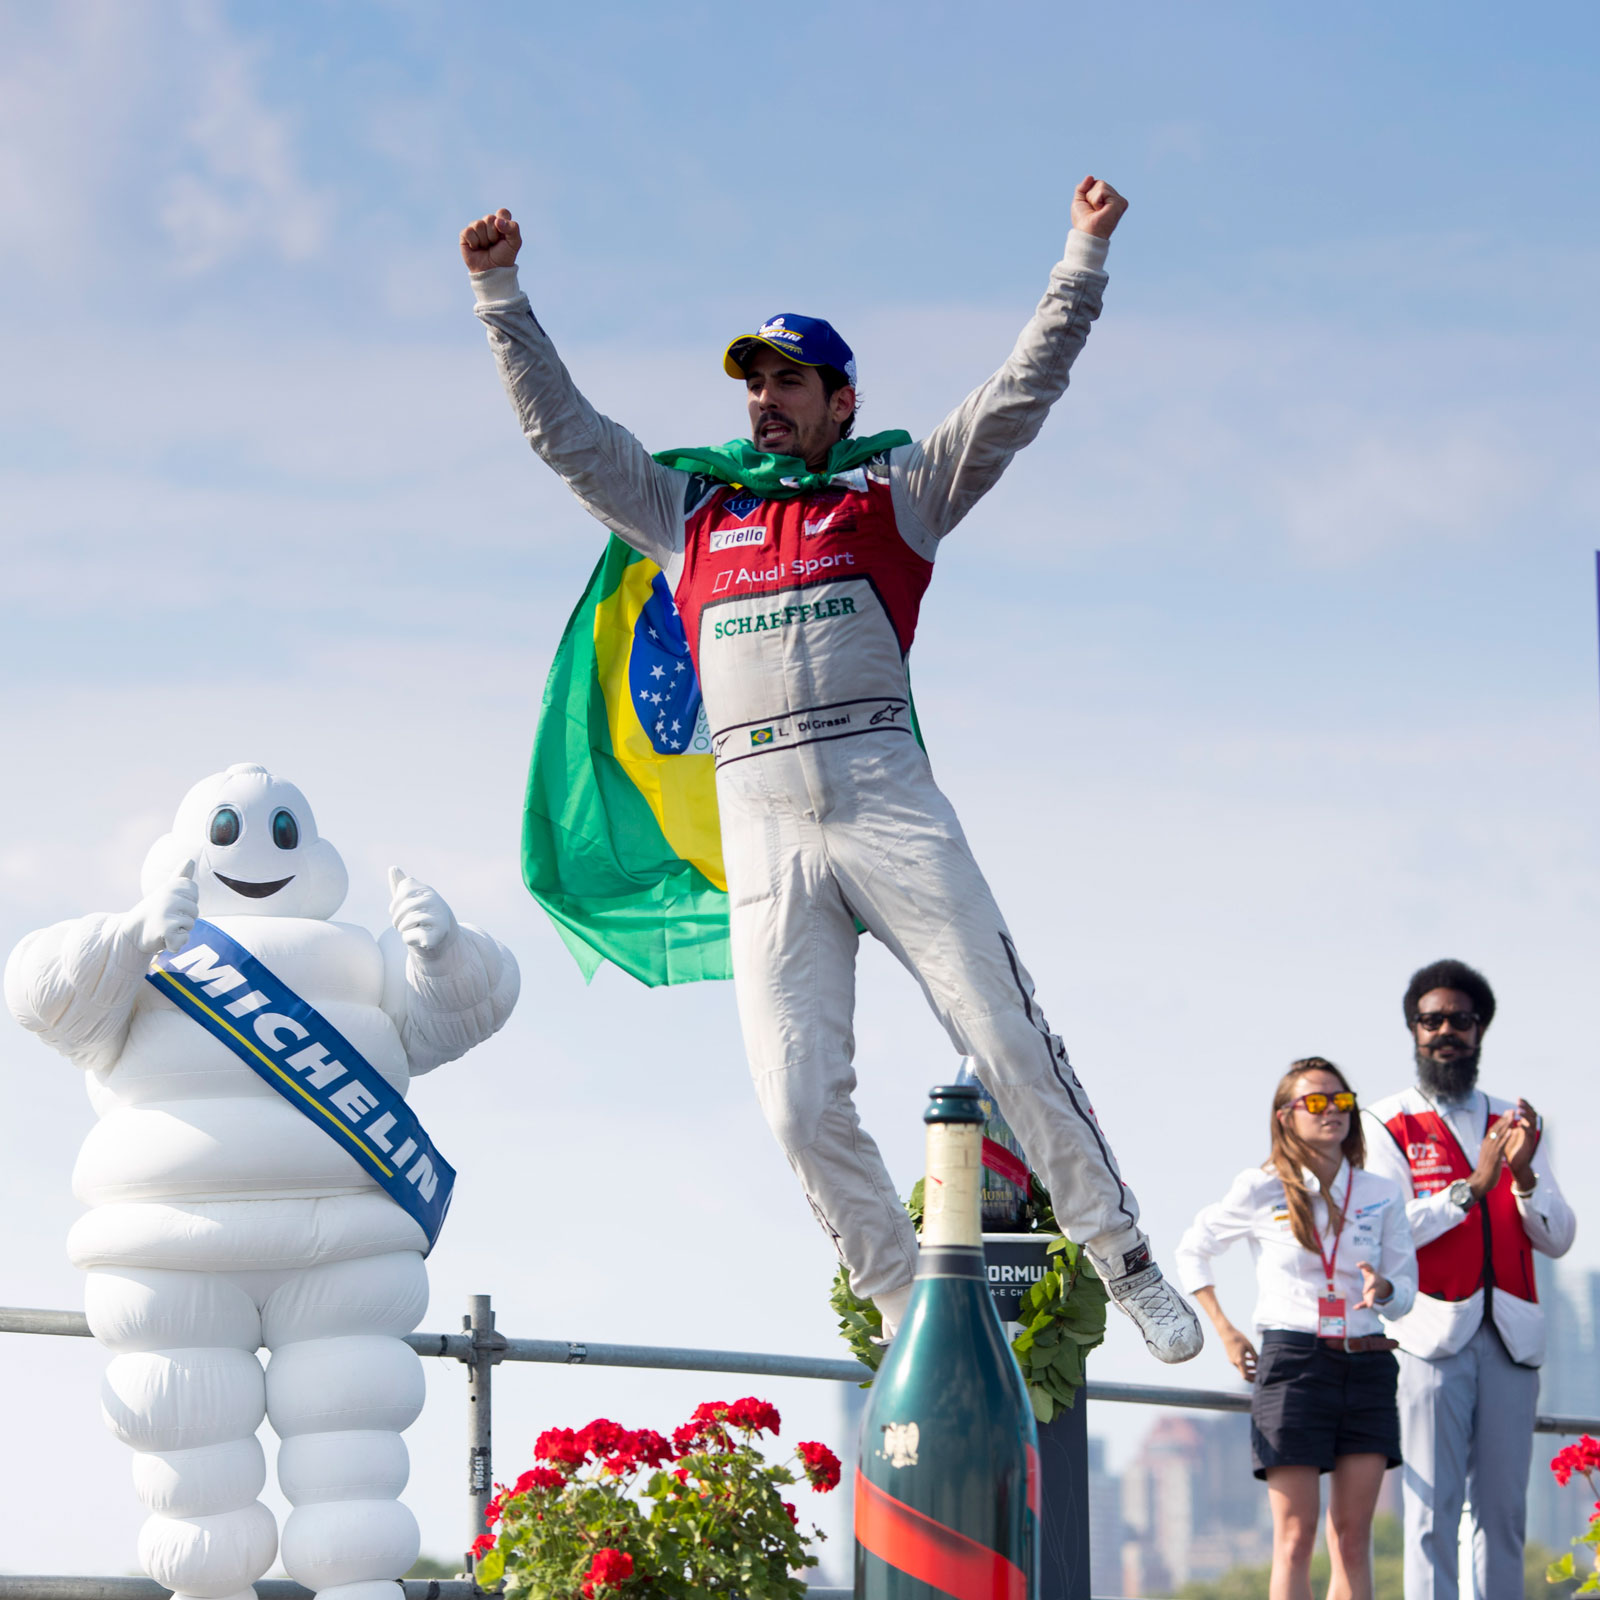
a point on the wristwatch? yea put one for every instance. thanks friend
(1461, 1193)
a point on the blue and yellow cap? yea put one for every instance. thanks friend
(807, 341)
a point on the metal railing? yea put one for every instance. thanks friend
(480, 1348)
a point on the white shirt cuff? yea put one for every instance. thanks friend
(1085, 252)
(495, 286)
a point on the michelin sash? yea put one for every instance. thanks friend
(296, 1051)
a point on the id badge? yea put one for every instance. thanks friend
(1331, 1317)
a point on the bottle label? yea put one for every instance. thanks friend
(951, 1191)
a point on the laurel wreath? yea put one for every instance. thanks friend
(1061, 1319)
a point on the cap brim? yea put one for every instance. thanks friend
(743, 343)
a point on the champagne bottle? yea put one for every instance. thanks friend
(947, 1490)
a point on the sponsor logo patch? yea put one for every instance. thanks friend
(785, 616)
(731, 538)
(834, 522)
(776, 330)
(740, 505)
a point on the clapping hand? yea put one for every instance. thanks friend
(1490, 1154)
(1520, 1141)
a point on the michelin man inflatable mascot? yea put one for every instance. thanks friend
(256, 1178)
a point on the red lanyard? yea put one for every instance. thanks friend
(1344, 1216)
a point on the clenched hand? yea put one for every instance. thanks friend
(1096, 208)
(491, 241)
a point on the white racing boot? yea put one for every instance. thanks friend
(1170, 1328)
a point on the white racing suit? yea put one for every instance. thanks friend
(799, 614)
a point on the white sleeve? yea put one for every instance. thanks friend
(614, 477)
(455, 997)
(1547, 1218)
(937, 481)
(1214, 1229)
(1397, 1261)
(75, 984)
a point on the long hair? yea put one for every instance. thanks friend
(1290, 1154)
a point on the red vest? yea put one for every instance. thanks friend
(737, 546)
(1488, 1250)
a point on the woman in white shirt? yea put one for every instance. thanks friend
(1324, 1397)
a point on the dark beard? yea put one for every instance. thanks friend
(1448, 1080)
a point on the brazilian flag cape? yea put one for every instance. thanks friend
(620, 838)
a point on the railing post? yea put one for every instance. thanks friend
(486, 1348)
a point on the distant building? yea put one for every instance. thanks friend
(1106, 1536)
(1191, 1507)
(1569, 1385)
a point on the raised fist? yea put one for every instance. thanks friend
(165, 917)
(1096, 208)
(492, 241)
(419, 914)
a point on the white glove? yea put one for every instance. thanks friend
(419, 914)
(165, 917)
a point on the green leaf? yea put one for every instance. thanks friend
(488, 1572)
(1559, 1570)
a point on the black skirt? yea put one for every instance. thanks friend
(1314, 1403)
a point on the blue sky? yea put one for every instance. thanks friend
(1268, 673)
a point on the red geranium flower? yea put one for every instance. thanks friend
(492, 1511)
(609, 1567)
(601, 1437)
(794, 1516)
(821, 1464)
(1584, 1457)
(562, 1445)
(539, 1478)
(482, 1545)
(651, 1448)
(758, 1416)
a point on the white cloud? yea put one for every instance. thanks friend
(116, 111)
(243, 189)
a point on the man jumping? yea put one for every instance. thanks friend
(798, 562)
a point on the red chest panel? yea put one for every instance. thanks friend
(738, 545)
(1452, 1267)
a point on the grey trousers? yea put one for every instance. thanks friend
(1466, 1425)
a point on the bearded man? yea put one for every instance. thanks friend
(798, 560)
(1483, 1199)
